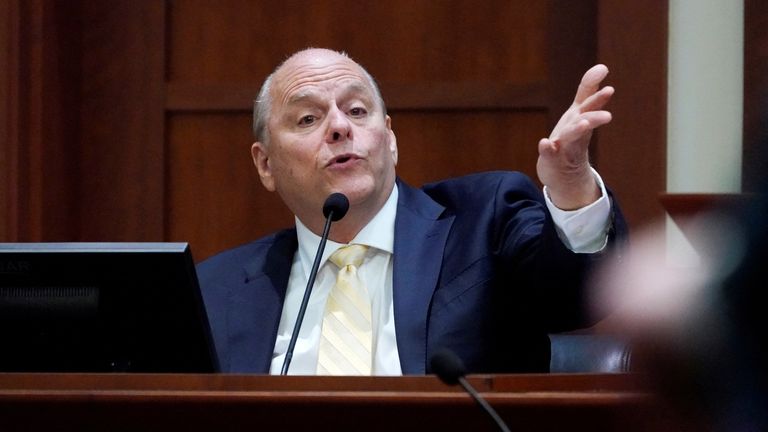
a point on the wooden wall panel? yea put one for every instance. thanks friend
(58, 121)
(571, 50)
(470, 87)
(121, 154)
(131, 118)
(632, 149)
(400, 41)
(214, 198)
(39, 133)
(9, 46)
(436, 145)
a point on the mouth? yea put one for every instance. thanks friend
(344, 159)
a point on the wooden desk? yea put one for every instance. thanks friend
(115, 402)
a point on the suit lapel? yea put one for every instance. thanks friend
(260, 301)
(420, 236)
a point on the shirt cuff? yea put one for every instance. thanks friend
(584, 230)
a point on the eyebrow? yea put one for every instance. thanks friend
(357, 88)
(350, 89)
(301, 97)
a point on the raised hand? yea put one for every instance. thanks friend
(563, 164)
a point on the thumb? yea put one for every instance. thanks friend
(547, 147)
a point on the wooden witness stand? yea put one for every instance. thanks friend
(113, 402)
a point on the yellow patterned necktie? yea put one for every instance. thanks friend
(345, 341)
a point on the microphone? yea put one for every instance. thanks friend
(335, 207)
(450, 369)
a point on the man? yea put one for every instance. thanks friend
(475, 264)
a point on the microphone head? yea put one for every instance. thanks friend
(447, 366)
(336, 205)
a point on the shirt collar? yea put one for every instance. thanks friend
(379, 233)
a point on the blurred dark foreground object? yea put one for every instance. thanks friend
(696, 331)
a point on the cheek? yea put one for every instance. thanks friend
(382, 148)
(294, 164)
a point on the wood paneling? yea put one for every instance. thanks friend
(470, 87)
(121, 156)
(214, 197)
(436, 145)
(227, 402)
(571, 50)
(632, 150)
(9, 45)
(83, 149)
(39, 117)
(130, 120)
(400, 41)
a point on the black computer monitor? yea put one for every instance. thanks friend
(102, 307)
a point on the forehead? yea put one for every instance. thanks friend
(310, 73)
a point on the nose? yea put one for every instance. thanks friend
(338, 126)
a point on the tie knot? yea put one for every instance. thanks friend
(349, 255)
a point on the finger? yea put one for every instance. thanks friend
(597, 118)
(590, 82)
(598, 100)
(584, 125)
(573, 131)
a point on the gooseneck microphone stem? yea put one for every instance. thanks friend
(305, 300)
(450, 369)
(336, 206)
(483, 404)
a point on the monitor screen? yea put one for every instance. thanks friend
(102, 307)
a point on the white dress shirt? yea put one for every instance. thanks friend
(583, 231)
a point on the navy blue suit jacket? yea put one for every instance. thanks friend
(478, 269)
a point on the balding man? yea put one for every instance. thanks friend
(484, 265)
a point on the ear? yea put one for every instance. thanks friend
(261, 160)
(392, 140)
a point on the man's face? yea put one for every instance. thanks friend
(327, 134)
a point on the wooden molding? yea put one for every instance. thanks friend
(189, 402)
(685, 209)
(683, 206)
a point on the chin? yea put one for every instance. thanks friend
(358, 194)
(362, 191)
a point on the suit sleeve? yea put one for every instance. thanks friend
(547, 277)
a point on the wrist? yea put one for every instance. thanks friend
(574, 193)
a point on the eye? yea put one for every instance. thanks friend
(307, 120)
(358, 112)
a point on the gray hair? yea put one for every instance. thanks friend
(261, 110)
(262, 105)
